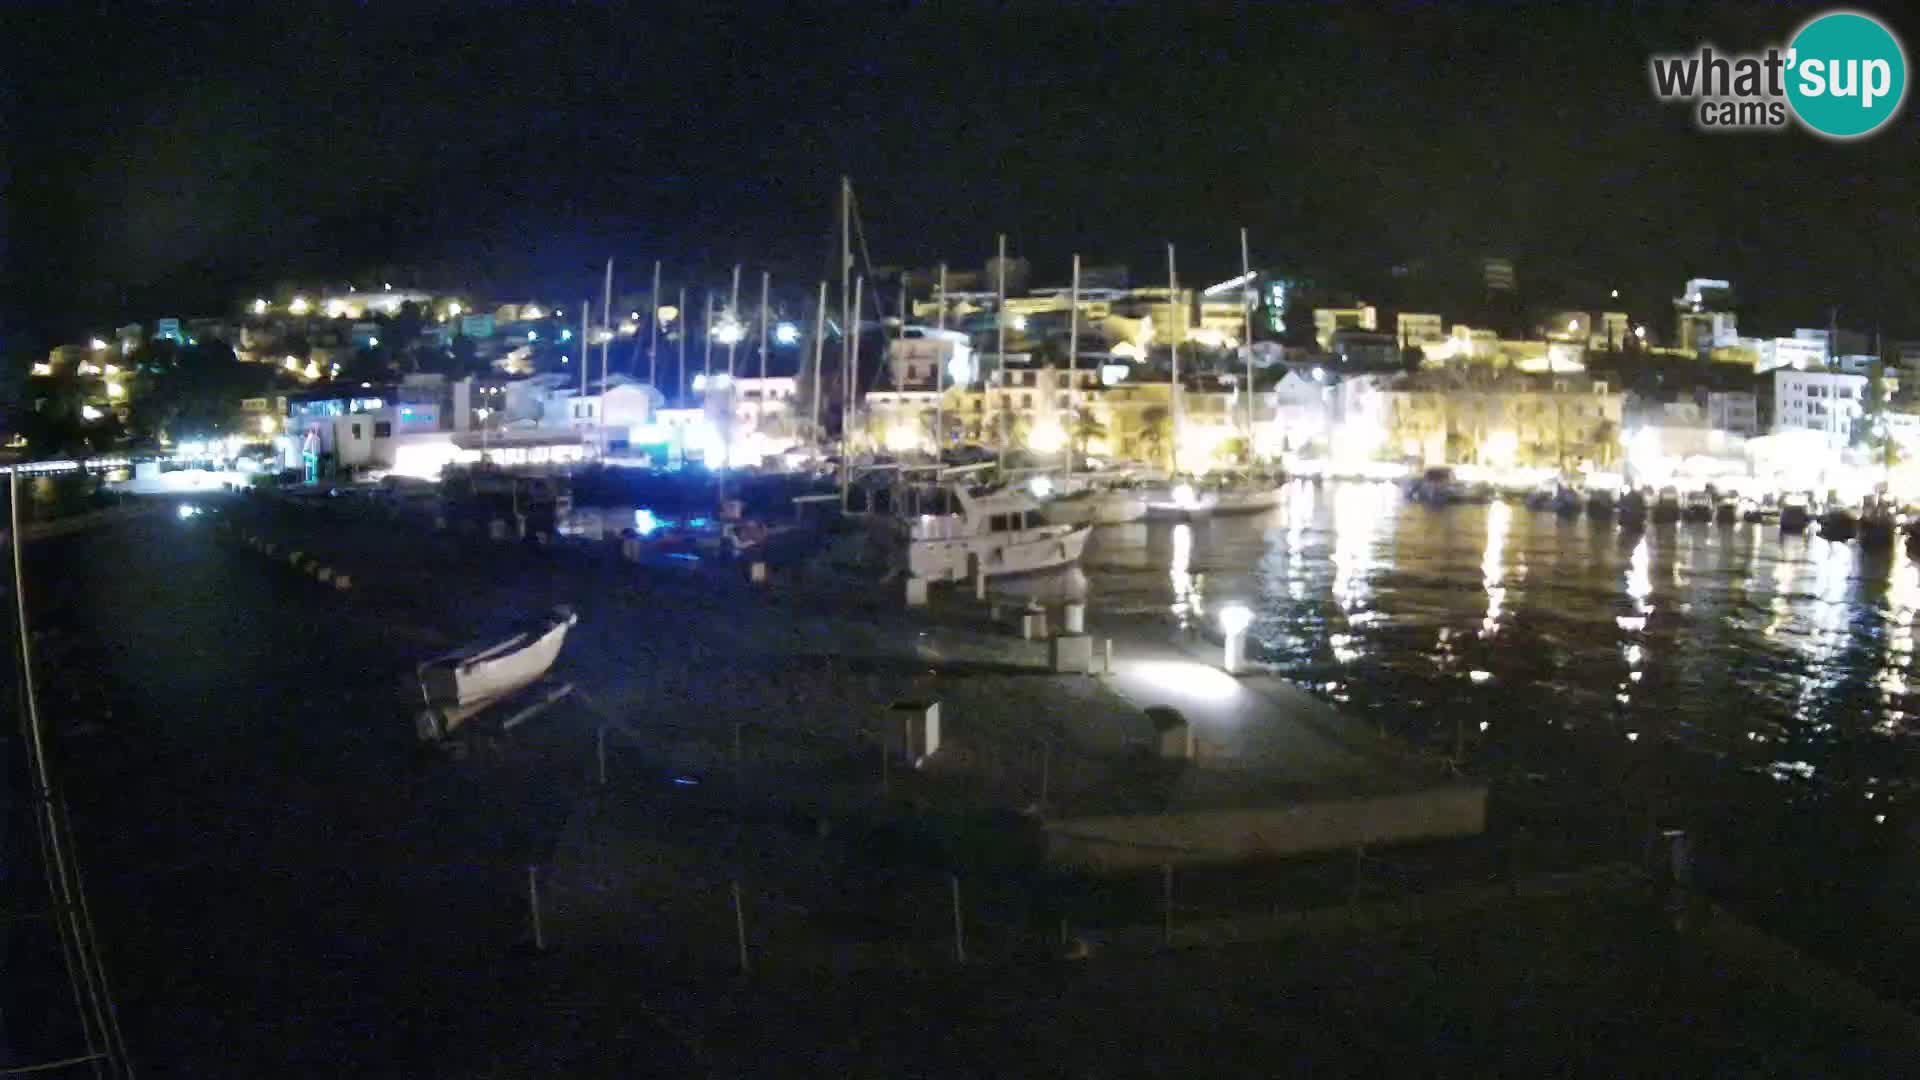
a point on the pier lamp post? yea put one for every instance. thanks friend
(1234, 620)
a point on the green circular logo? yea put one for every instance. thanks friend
(1847, 75)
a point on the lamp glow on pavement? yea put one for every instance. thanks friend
(1188, 680)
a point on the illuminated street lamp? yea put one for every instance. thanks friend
(1234, 620)
(98, 345)
(729, 331)
(786, 334)
(259, 307)
(299, 306)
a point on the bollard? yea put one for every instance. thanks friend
(1033, 623)
(1075, 617)
(757, 573)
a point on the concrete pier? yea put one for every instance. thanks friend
(1275, 772)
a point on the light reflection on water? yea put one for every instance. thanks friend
(1788, 656)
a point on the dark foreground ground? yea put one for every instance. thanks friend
(283, 887)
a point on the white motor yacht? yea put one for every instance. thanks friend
(1000, 532)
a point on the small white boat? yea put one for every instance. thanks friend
(1094, 501)
(1245, 495)
(1181, 502)
(461, 683)
(1000, 533)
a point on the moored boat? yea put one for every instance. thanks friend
(996, 533)
(1877, 527)
(459, 684)
(1795, 514)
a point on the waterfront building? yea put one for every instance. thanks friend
(1419, 330)
(1327, 320)
(1510, 419)
(1826, 402)
(1736, 412)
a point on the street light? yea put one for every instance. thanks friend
(1234, 620)
(786, 334)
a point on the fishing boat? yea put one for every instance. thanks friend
(997, 533)
(1795, 514)
(1632, 510)
(1877, 527)
(1567, 502)
(1698, 507)
(456, 686)
(1838, 525)
(1438, 486)
(1666, 507)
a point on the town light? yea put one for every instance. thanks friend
(290, 363)
(1640, 332)
(1573, 326)
(786, 334)
(666, 313)
(1041, 486)
(266, 425)
(97, 345)
(534, 335)
(260, 307)
(373, 343)
(532, 311)
(1046, 438)
(728, 331)
(88, 412)
(115, 390)
(453, 309)
(336, 309)
(299, 306)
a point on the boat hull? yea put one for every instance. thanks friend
(1026, 552)
(1103, 508)
(1246, 502)
(475, 677)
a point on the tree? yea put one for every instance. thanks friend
(1156, 432)
(1086, 427)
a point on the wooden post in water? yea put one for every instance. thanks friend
(533, 905)
(959, 927)
(1166, 876)
(740, 928)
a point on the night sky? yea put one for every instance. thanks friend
(166, 163)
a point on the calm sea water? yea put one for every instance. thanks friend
(1755, 688)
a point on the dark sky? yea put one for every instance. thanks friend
(175, 161)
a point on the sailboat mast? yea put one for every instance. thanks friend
(760, 408)
(846, 314)
(1246, 332)
(733, 343)
(1000, 344)
(653, 331)
(1173, 336)
(940, 374)
(819, 351)
(1073, 361)
(846, 400)
(606, 348)
(681, 397)
(586, 339)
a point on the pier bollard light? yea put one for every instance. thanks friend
(1234, 620)
(757, 573)
(1075, 617)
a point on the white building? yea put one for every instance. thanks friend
(1418, 329)
(1801, 352)
(1821, 401)
(921, 354)
(1734, 411)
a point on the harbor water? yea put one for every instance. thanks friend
(1753, 687)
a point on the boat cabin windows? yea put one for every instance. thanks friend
(1019, 519)
(383, 429)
